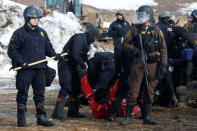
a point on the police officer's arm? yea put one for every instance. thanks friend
(191, 44)
(127, 44)
(49, 48)
(14, 49)
(186, 27)
(129, 26)
(162, 46)
(77, 50)
(111, 31)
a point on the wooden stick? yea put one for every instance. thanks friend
(175, 100)
(41, 61)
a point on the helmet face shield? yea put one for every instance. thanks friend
(194, 13)
(141, 18)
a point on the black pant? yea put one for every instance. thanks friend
(69, 80)
(118, 54)
(123, 84)
(122, 62)
(104, 78)
(35, 77)
(182, 72)
(167, 89)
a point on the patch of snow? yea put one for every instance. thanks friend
(59, 27)
(106, 24)
(188, 8)
(117, 4)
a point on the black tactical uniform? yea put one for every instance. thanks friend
(182, 56)
(166, 85)
(101, 69)
(29, 45)
(70, 68)
(118, 30)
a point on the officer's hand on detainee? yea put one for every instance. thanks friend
(83, 71)
(161, 72)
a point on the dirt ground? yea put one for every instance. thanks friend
(180, 119)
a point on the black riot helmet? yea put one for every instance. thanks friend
(143, 14)
(194, 15)
(165, 17)
(32, 12)
(92, 32)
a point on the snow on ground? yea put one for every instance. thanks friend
(60, 27)
(188, 8)
(118, 4)
(106, 24)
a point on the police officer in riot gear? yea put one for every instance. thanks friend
(118, 30)
(101, 74)
(28, 44)
(166, 24)
(182, 56)
(70, 68)
(191, 26)
(146, 43)
(101, 69)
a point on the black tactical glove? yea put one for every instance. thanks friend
(121, 32)
(101, 93)
(162, 70)
(24, 66)
(57, 56)
(136, 51)
(83, 71)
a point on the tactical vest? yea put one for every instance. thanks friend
(150, 44)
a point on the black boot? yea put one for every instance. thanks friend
(112, 114)
(21, 121)
(73, 109)
(147, 113)
(127, 119)
(142, 111)
(41, 116)
(59, 107)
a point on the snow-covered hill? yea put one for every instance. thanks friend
(118, 4)
(188, 8)
(60, 27)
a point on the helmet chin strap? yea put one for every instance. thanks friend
(31, 26)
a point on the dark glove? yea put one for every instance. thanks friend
(171, 61)
(101, 93)
(162, 70)
(136, 51)
(121, 32)
(83, 71)
(57, 56)
(24, 66)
